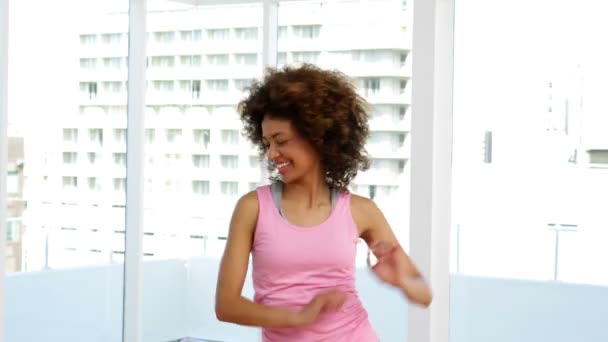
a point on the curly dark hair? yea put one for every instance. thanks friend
(323, 107)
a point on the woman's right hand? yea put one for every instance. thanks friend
(323, 302)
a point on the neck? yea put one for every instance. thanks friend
(311, 191)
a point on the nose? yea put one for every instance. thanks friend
(273, 153)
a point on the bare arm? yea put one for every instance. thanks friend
(230, 305)
(395, 266)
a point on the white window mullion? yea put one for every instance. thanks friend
(432, 69)
(269, 51)
(3, 155)
(132, 314)
(270, 31)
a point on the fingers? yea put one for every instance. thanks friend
(334, 300)
(331, 300)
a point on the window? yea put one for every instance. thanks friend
(92, 183)
(201, 161)
(254, 162)
(112, 87)
(115, 63)
(120, 159)
(402, 58)
(241, 85)
(229, 188)
(88, 39)
(70, 135)
(70, 158)
(230, 136)
(120, 184)
(191, 36)
(281, 58)
(96, 136)
(246, 59)
(401, 165)
(307, 31)
(70, 183)
(120, 135)
(89, 89)
(164, 37)
(64, 85)
(384, 192)
(111, 38)
(12, 230)
(401, 139)
(173, 159)
(402, 110)
(217, 85)
(191, 87)
(560, 244)
(368, 56)
(247, 33)
(371, 86)
(192, 61)
(163, 86)
(402, 86)
(196, 89)
(598, 157)
(282, 32)
(218, 34)
(306, 57)
(150, 135)
(173, 135)
(201, 137)
(88, 63)
(229, 162)
(92, 157)
(200, 187)
(163, 61)
(388, 166)
(217, 59)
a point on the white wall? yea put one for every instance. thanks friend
(86, 305)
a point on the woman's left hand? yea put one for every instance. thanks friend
(392, 266)
(395, 268)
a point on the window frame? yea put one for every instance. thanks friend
(433, 40)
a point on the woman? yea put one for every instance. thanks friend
(302, 230)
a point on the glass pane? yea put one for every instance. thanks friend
(198, 164)
(371, 43)
(530, 174)
(65, 246)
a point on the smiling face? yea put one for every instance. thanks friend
(293, 156)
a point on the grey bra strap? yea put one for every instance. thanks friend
(276, 189)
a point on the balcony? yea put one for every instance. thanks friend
(371, 69)
(387, 96)
(178, 298)
(389, 124)
(387, 151)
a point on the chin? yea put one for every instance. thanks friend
(288, 178)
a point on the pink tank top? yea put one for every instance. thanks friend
(291, 264)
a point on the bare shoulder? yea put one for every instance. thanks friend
(361, 203)
(248, 202)
(245, 212)
(370, 220)
(364, 212)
